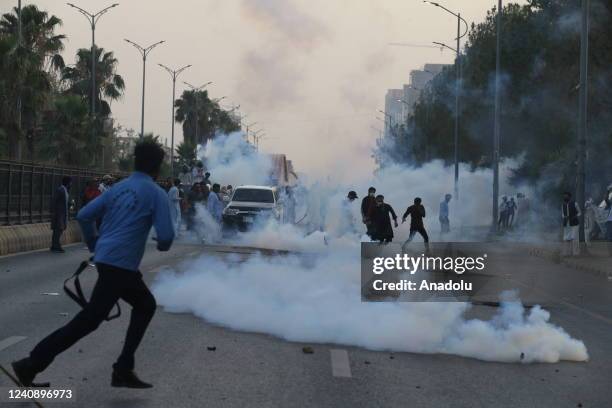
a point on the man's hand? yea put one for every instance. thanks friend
(403, 220)
(396, 225)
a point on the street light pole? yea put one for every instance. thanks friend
(457, 85)
(195, 90)
(93, 18)
(144, 51)
(583, 117)
(174, 73)
(497, 125)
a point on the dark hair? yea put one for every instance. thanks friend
(567, 193)
(177, 182)
(372, 189)
(66, 180)
(148, 157)
(417, 200)
(380, 196)
(216, 187)
(207, 174)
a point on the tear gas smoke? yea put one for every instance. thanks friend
(317, 298)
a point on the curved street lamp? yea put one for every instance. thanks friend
(92, 18)
(144, 51)
(174, 73)
(458, 84)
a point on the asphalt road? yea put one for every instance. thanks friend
(255, 370)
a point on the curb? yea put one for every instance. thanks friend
(555, 256)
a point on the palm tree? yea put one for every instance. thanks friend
(186, 153)
(66, 136)
(109, 84)
(28, 72)
(195, 105)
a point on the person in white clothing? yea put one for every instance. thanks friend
(175, 205)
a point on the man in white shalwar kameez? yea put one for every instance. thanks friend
(175, 206)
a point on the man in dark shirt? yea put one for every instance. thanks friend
(367, 205)
(380, 217)
(417, 213)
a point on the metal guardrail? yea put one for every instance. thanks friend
(26, 189)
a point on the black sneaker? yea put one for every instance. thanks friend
(58, 250)
(25, 373)
(128, 379)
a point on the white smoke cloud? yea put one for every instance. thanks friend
(294, 299)
(231, 160)
(316, 297)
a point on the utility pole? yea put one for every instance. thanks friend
(196, 90)
(458, 79)
(497, 125)
(93, 18)
(583, 117)
(174, 73)
(144, 51)
(17, 149)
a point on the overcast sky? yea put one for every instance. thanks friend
(312, 73)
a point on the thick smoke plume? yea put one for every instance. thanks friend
(316, 296)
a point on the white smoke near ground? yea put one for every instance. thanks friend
(315, 296)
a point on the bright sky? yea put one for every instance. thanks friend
(311, 73)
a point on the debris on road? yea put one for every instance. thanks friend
(63, 314)
(307, 350)
(366, 362)
(211, 348)
(50, 293)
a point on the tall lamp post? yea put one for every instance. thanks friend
(583, 117)
(93, 20)
(144, 51)
(497, 125)
(458, 83)
(174, 73)
(195, 90)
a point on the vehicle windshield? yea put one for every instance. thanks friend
(253, 195)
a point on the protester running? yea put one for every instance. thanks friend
(417, 213)
(128, 211)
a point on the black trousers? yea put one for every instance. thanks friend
(421, 230)
(55, 238)
(113, 284)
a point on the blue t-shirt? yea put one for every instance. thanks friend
(128, 210)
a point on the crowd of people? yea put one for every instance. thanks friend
(193, 187)
(380, 218)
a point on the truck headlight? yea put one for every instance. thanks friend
(231, 211)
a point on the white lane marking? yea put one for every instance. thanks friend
(9, 341)
(340, 363)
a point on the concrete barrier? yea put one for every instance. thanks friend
(28, 237)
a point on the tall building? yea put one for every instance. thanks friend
(399, 103)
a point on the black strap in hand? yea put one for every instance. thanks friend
(79, 296)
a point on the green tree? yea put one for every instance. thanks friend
(186, 155)
(28, 71)
(195, 105)
(109, 84)
(65, 138)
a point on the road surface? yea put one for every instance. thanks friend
(256, 370)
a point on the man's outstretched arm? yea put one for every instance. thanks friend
(162, 221)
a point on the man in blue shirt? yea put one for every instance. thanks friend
(127, 212)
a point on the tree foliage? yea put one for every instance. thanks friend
(540, 62)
